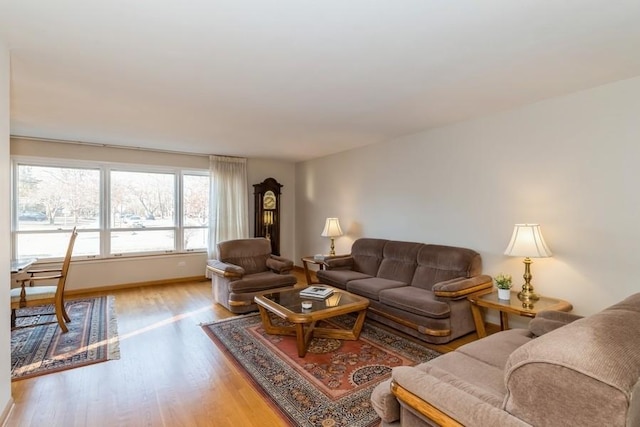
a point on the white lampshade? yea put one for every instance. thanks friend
(332, 228)
(527, 241)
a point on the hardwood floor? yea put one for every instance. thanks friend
(169, 372)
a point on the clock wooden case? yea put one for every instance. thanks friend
(267, 212)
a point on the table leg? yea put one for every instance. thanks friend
(266, 321)
(307, 273)
(504, 321)
(302, 339)
(357, 327)
(478, 320)
(23, 295)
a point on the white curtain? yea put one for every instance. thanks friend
(228, 201)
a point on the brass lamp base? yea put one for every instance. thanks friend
(527, 293)
(332, 252)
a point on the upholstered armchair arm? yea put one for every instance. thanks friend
(461, 287)
(279, 264)
(333, 263)
(549, 320)
(223, 269)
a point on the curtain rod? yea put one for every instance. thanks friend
(124, 147)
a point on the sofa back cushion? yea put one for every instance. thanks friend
(587, 371)
(250, 254)
(399, 261)
(367, 255)
(437, 263)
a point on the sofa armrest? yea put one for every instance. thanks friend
(332, 263)
(223, 269)
(461, 287)
(279, 264)
(549, 320)
(385, 403)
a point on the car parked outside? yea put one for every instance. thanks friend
(32, 216)
(135, 221)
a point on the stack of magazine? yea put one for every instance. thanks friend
(316, 292)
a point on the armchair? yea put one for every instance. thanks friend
(246, 268)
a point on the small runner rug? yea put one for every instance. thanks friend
(332, 384)
(39, 347)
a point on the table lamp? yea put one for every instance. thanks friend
(527, 242)
(332, 229)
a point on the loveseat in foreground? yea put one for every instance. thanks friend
(562, 371)
(418, 288)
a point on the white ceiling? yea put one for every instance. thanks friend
(298, 79)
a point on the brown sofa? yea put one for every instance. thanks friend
(562, 371)
(246, 268)
(417, 288)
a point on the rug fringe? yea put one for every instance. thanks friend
(112, 335)
(228, 319)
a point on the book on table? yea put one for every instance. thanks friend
(316, 292)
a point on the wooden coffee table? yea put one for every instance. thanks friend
(288, 306)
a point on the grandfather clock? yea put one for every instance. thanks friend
(267, 212)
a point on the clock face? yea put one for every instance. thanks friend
(269, 200)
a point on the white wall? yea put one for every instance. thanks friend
(127, 270)
(5, 236)
(568, 163)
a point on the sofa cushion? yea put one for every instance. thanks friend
(339, 278)
(367, 255)
(261, 281)
(250, 254)
(549, 320)
(475, 377)
(372, 286)
(437, 263)
(399, 261)
(415, 300)
(495, 349)
(470, 405)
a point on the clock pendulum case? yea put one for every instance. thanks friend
(267, 212)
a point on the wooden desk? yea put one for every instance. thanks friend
(19, 269)
(19, 265)
(514, 306)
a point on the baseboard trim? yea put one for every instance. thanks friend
(7, 411)
(77, 292)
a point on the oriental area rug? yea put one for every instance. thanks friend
(39, 347)
(332, 384)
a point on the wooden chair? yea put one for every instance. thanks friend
(31, 296)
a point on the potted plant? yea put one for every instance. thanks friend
(503, 283)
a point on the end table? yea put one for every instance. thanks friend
(513, 305)
(306, 260)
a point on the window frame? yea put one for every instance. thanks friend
(104, 229)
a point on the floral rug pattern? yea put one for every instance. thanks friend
(39, 347)
(332, 384)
